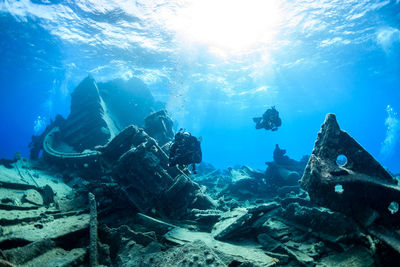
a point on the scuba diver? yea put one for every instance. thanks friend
(185, 150)
(269, 121)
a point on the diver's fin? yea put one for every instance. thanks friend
(257, 119)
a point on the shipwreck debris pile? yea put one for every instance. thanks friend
(284, 171)
(103, 194)
(37, 213)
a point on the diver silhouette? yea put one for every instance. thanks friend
(185, 150)
(269, 121)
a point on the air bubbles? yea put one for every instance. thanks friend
(393, 207)
(341, 160)
(39, 125)
(339, 189)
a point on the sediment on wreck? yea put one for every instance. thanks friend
(284, 171)
(148, 181)
(358, 186)
(366, 187)
(93, 258)
(151, 214)
(39, 218)
(99, 111)
(128, 156)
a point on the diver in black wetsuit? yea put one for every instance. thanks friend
(185, 150)
(269, 121)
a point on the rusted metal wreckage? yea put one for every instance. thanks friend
(92, 142)
(358, 186)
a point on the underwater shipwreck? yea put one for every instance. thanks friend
(97, 190)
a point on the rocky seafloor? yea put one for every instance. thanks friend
(97, 191)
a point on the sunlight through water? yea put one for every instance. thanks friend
(228, 26)
(216, 65)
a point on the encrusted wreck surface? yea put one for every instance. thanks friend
(151, 214)
(367, 189)
(160, 126)
(90, 141)
(36, 208)
(99, 111)
(249, 252)
(284, 171)
(89, 115)
(147, 180)
(360, 187)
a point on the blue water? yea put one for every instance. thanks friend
(216, 64)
